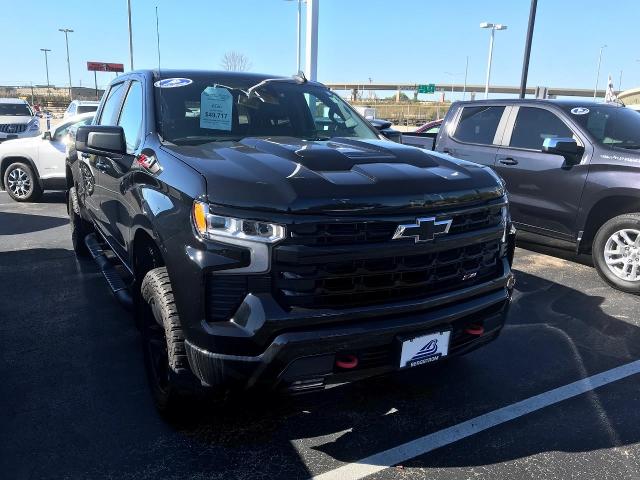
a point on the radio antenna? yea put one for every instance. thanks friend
(158, 40)
(159, 119)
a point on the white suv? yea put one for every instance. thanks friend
(17, 119)
(80, 106)
(30, 165)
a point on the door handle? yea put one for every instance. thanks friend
(101, 165)
(508, 161)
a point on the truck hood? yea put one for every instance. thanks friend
(287, 174)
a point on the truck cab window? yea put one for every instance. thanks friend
(534, 125)
(478, 124)
(131, 117)
(109, 114)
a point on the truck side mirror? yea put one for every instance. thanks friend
(101, 140)
(564, 146)
(384, 128)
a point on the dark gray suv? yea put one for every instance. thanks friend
(572, 170)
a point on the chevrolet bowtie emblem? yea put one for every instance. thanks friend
(424, 230)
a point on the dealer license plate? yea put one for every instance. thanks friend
(424, 349)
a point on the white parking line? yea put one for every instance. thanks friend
(406, 451)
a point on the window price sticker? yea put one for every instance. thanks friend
(216, 105)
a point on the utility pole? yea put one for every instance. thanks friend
(66, 32)
(46, 63)
(130, 35)
(595, 90)
(466, 70)
(527, 48)
(620, 82)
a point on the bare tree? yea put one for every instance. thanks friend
(235, 62)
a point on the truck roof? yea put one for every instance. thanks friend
(203, 74)
(562, 103)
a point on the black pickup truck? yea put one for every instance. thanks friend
(265, 234)
(572, 170)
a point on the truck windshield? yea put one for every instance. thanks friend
(203, 111)
(15, 109)
(610, 126)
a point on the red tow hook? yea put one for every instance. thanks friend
(347, 361)
(474, 329)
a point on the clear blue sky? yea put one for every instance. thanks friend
(389, 41)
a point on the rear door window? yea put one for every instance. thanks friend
(534, 125)
(478, 124)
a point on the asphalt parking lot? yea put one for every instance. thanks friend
(74, 401)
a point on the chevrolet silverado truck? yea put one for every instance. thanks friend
(572, 170)
(264, 234)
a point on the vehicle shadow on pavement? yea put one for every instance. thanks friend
(18, 223)
(556, 335)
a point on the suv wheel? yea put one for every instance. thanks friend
(80, 228)
(616, 252)
(170, 378)
(21, 183)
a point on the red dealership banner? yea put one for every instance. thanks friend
(105, 67)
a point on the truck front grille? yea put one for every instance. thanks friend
(13, 127)
(351, 283)
(345, 233)
(355, 264)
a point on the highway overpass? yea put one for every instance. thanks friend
(354, 88)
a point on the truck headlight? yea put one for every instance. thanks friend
(254, 235)
(210, 225)
(33, 125)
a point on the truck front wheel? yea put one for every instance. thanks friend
(170, 378)
(616, 252)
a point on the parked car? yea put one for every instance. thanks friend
(277, 239)
(76, 107)
(572, 170)
(17, 119)
(30, 165)
(424, 136)
(432, 127)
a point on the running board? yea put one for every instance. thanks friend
(111, 275)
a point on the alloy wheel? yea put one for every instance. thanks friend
(622, 254)
(19, 182)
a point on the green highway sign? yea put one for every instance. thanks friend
(429, 88)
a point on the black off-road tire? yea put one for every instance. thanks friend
(22, 192)
(170, 378)
(80, 228)
(628, 221)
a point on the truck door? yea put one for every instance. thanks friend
(544, 190)
(92, 166)
(474, 133)
(115, 200)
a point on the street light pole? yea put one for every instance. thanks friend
(493, 27)
(66, 32)
(130, 35)
(595, 90)
(46, 63)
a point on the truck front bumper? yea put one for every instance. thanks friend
(305, 358)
